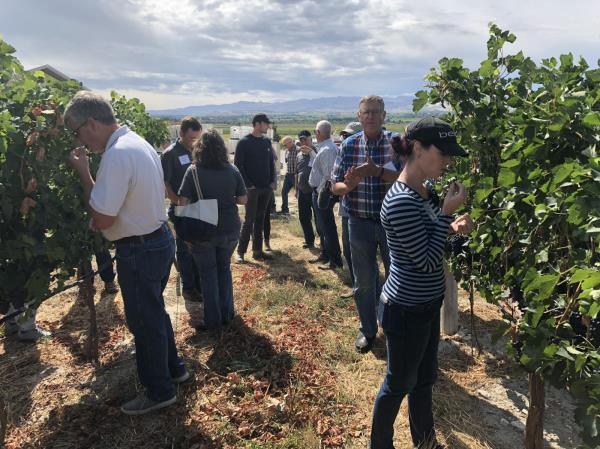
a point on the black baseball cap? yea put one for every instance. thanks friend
(304, 134)
(432, 130)
(261, 117)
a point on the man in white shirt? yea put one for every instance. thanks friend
(126, 203)
(320, 179)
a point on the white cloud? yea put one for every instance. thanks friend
(174, 53)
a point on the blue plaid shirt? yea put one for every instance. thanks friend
(366, 199)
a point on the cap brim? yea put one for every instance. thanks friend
(450, 148)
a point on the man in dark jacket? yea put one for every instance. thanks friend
(254, 160)
(175, 161)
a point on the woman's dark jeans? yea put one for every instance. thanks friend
(213, 259)
(412, 335)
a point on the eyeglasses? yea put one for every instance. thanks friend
(75, 132)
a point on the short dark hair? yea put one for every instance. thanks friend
(188, 123)
(304, 134)
(209, 150)
(261, 117)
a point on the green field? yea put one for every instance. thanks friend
(292, 128)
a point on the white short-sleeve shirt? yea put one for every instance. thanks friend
(129, 185)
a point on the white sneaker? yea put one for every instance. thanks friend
(33, 335)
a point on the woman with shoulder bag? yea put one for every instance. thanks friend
(409, 309)
(221, 180)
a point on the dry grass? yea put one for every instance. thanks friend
(285, 375)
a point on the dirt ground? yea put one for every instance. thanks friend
(283, 375)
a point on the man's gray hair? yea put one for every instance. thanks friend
(86, 105)
(324, 128)
(373, 99)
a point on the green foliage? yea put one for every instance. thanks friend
(532, 133)
(132, 112)
(43, 227)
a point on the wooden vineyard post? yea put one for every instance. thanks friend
(86, 294)
(534, 428)
(449, 313)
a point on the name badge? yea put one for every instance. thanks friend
(185, 159)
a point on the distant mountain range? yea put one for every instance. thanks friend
(333, 105)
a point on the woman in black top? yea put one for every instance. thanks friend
(220, 180)
(409, 309)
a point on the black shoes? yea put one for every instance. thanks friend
(319, 259)
(364, 344)
(308, 245)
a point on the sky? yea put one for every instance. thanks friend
(189, 52)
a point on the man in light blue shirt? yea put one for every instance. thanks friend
(320, 179)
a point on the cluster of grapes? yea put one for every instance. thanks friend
(457, 244)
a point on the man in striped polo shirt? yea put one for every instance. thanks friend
(359, 174)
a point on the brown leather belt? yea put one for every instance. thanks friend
(142, 238)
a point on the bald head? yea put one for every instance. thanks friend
(323, 130)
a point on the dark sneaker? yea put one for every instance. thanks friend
(268, 246)
(308, 245)
(33, 335)
(143, 404)
(319, 259)
(110, 288)
(181, 379)
(364, 344)
(262, 256)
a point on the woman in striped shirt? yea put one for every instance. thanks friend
(409, 309)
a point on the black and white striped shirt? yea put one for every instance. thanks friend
(416, 233)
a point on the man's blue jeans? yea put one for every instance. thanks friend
(305, 214)
(143, 269)
(330, 234)
(288, 183)
(324, 254)
(366, 236)
(412, 335)
(213, 259)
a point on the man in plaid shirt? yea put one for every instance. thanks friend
(363, 172)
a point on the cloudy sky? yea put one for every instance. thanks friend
(191, 52)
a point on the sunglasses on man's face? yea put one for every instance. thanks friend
(75, 132)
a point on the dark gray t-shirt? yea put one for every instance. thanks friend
(224, 184)
(175, 161)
